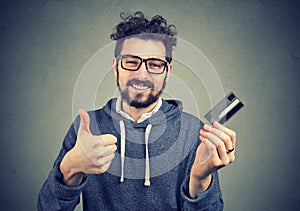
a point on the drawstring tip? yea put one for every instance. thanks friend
(147, 183)
(122, 179)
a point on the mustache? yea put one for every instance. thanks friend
(141, 83)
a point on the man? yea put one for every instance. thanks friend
(140, 152)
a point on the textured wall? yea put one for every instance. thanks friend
(253, 45)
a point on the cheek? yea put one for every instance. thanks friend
(158, 82)
(123, 78)
(157, 87)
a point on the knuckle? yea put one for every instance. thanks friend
(226, 162)
(113, 156)
(221, 146)
(109, 158)
(211, 147)
(233, 133)
(94, 156)
(100, 162)
(104, 168)
(95, 144)
(100, 171)
(100, 156)
(113, 147)
(203, 133)
(225, 138)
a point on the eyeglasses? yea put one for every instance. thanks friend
(153, 65)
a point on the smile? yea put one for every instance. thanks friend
(140, 87)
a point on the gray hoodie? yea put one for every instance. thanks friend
(149, 172)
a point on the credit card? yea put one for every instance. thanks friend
(225, 109)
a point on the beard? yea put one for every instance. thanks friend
(137, 101)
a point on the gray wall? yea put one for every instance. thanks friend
(253, 45)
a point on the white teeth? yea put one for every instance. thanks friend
(140, 87)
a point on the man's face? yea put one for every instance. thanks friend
(140, 88)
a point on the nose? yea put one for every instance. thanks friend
(142, 72)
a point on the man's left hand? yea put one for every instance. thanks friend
(215, 151)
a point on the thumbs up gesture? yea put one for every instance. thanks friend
(90, 155)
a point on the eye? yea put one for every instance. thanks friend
(155, 64)
(131, 62)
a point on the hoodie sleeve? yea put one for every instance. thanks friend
(211, 199)
(54, 195)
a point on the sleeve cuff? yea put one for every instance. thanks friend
(62, 191)
(209, 198)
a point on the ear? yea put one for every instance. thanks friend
(170, 68)
(114, 65)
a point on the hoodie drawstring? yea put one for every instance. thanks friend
(123, 135)
(147, 161)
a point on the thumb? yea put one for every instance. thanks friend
(84, 127)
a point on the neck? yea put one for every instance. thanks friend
(136, 113)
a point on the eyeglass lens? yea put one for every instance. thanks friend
(153, 65)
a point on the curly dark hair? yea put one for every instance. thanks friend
(138, 25)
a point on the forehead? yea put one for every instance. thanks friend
(136, 46)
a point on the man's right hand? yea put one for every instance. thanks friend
(90, 155)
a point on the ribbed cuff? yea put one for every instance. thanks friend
(62, 191)
(211, 199)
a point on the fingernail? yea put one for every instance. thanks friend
(216, 124)
(206, 127)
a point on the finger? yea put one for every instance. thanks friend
(217, 154)
(99, 170)
(103, 151)
(208, 144)
(205, 150)
(105, 166)
(222, 135)
(222, 152)
(211, 137)
(113, 147)
(105, 160)
(84, 127)
(94, 146)
(231, 156)
(220, 145)
(226, 130)
(106, 139)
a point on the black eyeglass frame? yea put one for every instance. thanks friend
(143, 61)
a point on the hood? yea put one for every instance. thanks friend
(169, 109)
